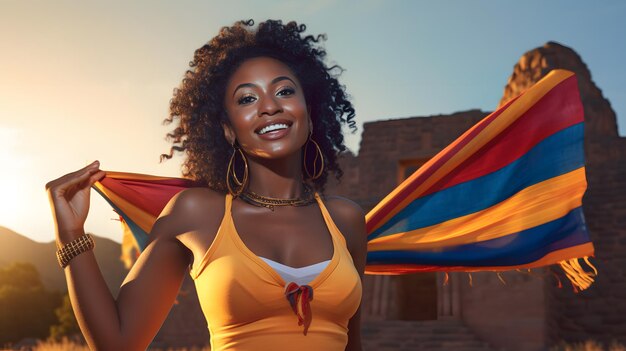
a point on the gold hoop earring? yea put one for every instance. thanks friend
(318, 156)
(231, 166)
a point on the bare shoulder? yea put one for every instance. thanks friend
(344, 209)
(190, 209)
(192, 200)
(350, 220)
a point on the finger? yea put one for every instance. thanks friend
(86, 169)
(96, 176)
(93, 165)
(76, 181)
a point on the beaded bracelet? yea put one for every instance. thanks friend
(74, 248)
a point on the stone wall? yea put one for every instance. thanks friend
(509, 314)
(599, 312)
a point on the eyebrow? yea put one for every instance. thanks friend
(274, 81)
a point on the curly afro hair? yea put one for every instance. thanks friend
(198, 102)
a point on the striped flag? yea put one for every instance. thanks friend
(507, 194)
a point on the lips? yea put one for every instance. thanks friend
(273, 125)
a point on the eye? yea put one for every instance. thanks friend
(286, 91)
(246, 99)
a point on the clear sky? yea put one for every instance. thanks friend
(81, 80)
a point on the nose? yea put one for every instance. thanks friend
(269, 106)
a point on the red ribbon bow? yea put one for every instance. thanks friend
(299, 297)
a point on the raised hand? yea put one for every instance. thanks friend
(69, 200)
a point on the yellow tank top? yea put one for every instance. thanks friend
(248, 306)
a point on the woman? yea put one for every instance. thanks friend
(260, 121)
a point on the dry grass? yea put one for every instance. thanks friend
(589, 345)
(69, 345)
(63, 345)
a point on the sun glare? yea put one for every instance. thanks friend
(11, 162)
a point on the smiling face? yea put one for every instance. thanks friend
(266, 108)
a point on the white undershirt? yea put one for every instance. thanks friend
(300, 276)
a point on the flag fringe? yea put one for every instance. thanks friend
(577, 275)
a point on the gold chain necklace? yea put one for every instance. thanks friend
(271, 202)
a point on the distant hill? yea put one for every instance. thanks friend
(15, 247)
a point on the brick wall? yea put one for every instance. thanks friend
(599, 312)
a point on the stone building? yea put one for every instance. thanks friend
(510, 311)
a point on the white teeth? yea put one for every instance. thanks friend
(273, 127)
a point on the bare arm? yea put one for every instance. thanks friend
(149, 290)
(144, 300)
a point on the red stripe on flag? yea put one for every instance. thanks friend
(379, 215)
(543, 119)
